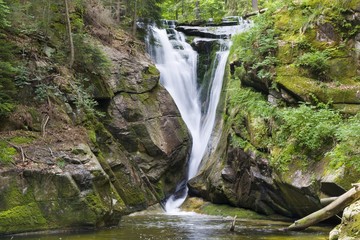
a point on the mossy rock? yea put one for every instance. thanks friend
(343, 70)
(101, 88)
(288, 22)
(306, 88)
(351, 109)
(198, 205)
(22, 219)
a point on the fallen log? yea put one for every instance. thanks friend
(330, 210)
(326, 201)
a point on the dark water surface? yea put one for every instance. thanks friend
(189, 226)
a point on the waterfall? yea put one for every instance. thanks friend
(177, 63)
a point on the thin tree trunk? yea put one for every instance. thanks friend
(118, 10)
(330, 210)
(197, 9)
(71, 42)
(255, 5)
(182, 8)
(134, 18)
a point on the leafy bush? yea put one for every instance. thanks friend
(89, 59)
(83, 100)
(249, 101)
(307, 126)
(316, 62)
(4, 11)
(347, 151)
(257, 47)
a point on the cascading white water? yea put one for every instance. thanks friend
(177, 63)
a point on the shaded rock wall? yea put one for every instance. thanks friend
(76, 176)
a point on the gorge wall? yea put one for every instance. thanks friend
(71, 162)
(272, 153)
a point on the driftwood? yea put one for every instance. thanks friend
(330, 210)
(254, 13)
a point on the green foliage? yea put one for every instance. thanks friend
(250, 102)
(4, 11)
(316, 62)
(89, 59)
(8, 70)
(307, 126)
(347, 151)
(83, 100)
(257, 48)
(185, 10)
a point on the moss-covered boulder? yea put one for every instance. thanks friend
(349, 228)
(63, 194)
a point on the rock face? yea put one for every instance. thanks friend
(241, 178)
(349, 229)
(89, 177)
(242, 170)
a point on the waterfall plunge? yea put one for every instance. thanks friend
(177, 63)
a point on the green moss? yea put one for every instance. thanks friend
(101, 89)
(22, 139)
(290, 20)
(95, 203)
(12, 195)
(153, 70)
(21, 219)
(226, 210)
(286, 53)
(150, 72)
(7, 153)
(292, 79)
(351, 109)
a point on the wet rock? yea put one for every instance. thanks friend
(349, 229)
(149, 127)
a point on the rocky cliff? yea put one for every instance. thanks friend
(292, 93)
(90, 150)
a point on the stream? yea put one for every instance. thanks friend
(186, 225)
(177, 63)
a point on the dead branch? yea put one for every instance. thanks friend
(44, 122)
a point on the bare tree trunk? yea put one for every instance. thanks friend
(134, 18)
(330, 210)
(197, 9)
(118, 10)
(255, 5)
(182, 7)
(71, 42)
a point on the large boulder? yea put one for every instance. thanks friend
(349, 229)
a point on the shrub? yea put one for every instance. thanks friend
(316, 62)
(307, 126)
(347, 151)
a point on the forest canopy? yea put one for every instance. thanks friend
(189, 10)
